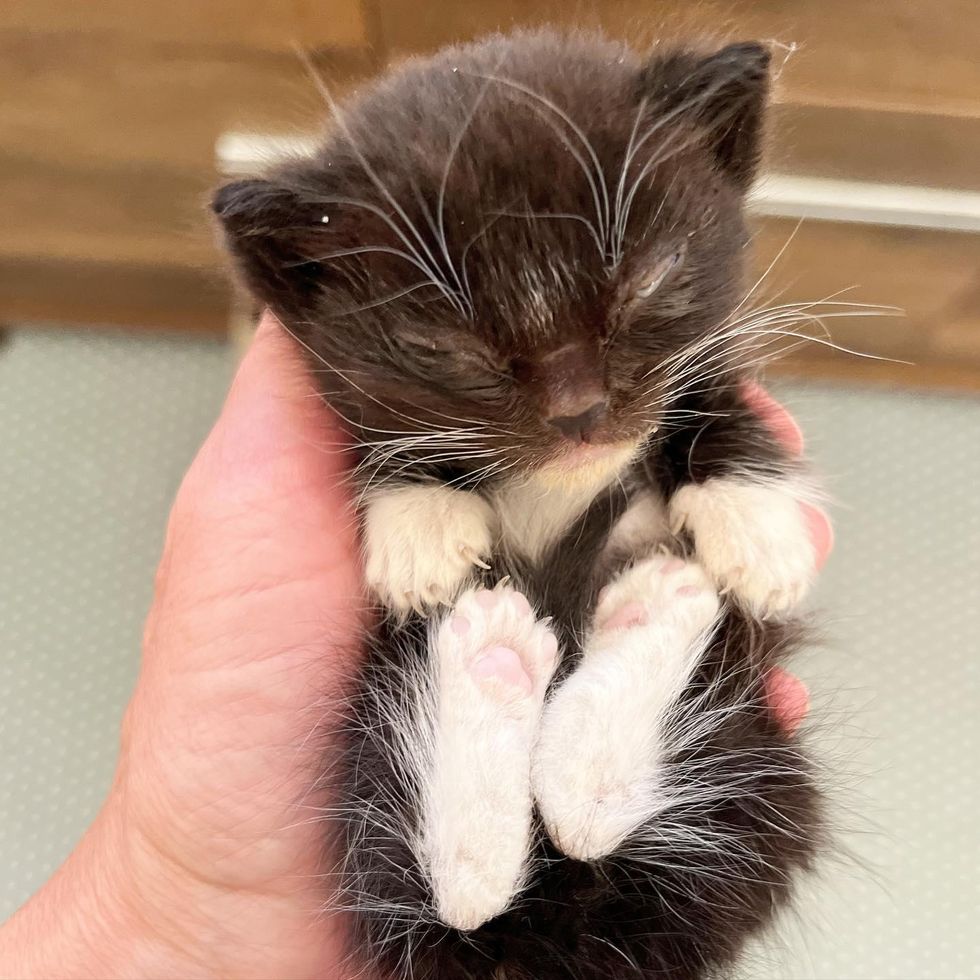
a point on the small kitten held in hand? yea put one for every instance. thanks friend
(517, 270)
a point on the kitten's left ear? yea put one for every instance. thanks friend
(725, 95)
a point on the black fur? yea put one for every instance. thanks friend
(463, 148)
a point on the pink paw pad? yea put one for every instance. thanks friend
(504, 665)
(520, 603)
(629, 614)
(690, 590)
(550, 644)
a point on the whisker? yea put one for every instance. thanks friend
(341, 121)
(599, 190)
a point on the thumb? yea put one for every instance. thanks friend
(260, 551)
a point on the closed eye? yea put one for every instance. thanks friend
(452, 354)
(658, 275)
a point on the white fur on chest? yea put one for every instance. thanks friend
(533, 515)
(535, 511)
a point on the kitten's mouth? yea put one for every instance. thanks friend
(590, 460)
(586, 453)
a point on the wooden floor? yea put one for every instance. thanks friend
(111, 110)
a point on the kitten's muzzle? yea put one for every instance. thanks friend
(582, 426)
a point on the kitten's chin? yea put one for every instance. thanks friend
(587, 464)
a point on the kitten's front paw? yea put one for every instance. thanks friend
(753, 539)
(422, 543)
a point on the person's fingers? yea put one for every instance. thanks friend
(821, 533)
(787, 695)
(273, 434)
(779, 421)
(788, 698)
(784, 427)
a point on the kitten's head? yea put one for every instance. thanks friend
(501, 257)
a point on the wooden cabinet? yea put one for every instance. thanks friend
(108, 121)
(111, 110)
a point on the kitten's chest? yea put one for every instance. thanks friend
(534, 515)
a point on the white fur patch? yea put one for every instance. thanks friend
(422, 543)
(597, 764)
(641, 527)
(536, 509)
(752, 537)
(494, 662)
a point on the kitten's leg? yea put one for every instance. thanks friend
(422, 542)
(494, 662)
(753, 537)
(597, 763)
(738, 492)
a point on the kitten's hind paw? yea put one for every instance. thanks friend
(598, 762)
(661, 591)
(495, 660)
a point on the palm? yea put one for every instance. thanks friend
(253, 629)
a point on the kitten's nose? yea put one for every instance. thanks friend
(581, 427)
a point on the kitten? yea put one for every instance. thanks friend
(517, 269)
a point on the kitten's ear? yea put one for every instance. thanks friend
(275, 234)
(725, 94)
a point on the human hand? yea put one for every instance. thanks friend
(205, 859)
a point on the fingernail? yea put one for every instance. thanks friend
(821, 532)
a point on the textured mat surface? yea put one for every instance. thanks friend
(95, 431)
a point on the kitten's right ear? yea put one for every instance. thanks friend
(274, 234)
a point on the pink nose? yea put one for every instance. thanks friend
(580, 427)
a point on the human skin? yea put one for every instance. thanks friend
(205, 859)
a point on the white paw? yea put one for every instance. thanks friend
(662, 591)
(494, 662)
(753, 539)
(423, 542)
(494, 640)
(597, 764)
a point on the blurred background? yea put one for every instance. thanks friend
(117, 116)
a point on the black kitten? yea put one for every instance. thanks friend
(517, 268)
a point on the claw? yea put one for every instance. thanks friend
(473, 557)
